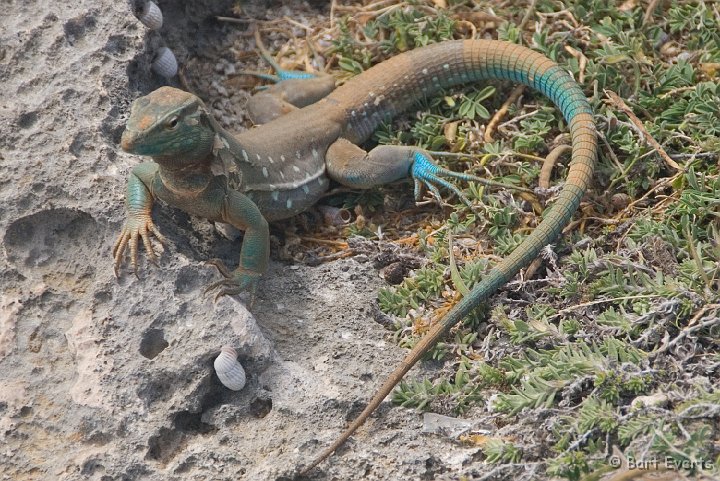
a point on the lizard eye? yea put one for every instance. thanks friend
(172, 123)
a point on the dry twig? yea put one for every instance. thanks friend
(649, 11)
(550, 160)
(502, 111)
(616, 101)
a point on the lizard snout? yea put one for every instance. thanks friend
(127, 142)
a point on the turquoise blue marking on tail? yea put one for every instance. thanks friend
(555, 83)
(564, 92)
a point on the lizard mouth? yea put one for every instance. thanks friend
(128, 141)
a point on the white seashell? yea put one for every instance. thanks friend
(334, 215)
(151, 16)
(229, 370)
(165, 63)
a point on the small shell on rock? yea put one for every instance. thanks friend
(229, 370)
(165, 63)
(334, 215)
(150, 15)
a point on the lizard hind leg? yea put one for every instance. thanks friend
(354, 167)
(292, 90)
(287, 96)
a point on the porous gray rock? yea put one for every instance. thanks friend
(104, 378)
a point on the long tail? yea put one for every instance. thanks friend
(460, 62)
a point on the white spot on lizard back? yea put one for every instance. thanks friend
(265, 172)
(217, 144)
(245, 156)
(275, 194)
(288, 204)
(296, 168)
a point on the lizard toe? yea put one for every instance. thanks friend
(430, 175)
(119, 251)
(220, 265)
(137, 229)
(237, 282)
(427, 173)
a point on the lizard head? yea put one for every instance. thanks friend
(169, 124)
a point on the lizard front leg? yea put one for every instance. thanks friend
(138, 224)
(242, 213)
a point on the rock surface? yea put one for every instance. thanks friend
(108, 379)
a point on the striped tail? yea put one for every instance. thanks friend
(459, 62)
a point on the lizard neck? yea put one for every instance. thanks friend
(193, 174)
(224, 140)
(188, 179)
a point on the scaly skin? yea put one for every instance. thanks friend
(476, 60)
(284, 166)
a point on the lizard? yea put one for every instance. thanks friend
(282, 167)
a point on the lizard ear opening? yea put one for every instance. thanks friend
(196, 115)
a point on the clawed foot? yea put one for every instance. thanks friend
(427, 173)
(235, 282)
(136, 227)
